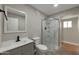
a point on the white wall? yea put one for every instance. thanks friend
(71, 34)
(33, 23)
(0, 25)
(73, 11)
(67, 12)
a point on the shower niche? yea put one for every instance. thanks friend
(17, 20)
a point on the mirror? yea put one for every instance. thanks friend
(16, 20)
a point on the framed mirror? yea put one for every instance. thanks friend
(17, 20)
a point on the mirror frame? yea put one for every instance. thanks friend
(6, 21)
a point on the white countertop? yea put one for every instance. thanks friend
(11, 44)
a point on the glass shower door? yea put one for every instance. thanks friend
(50, 33)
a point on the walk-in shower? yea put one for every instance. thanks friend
(50, 33)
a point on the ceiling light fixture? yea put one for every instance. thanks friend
(55, 5)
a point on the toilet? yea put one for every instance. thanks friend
(41, 49)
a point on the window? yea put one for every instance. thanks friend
(67, 24)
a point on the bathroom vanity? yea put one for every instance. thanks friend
(23, 47)
(16, 23)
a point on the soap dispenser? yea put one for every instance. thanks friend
(18, 39)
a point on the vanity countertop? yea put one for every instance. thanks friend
(11, 44)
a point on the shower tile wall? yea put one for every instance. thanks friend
(50, 33)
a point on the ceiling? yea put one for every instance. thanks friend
(49, 9)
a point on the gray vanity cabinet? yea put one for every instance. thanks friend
(27, 49)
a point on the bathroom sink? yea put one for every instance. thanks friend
(11, 44)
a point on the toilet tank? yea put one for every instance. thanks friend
(36, 40)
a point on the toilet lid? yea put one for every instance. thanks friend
(41, 47)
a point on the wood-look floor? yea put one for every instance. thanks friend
(66, 49)
(71, 48)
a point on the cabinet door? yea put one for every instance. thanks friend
(28, 49)
(23, 50)
(17, 51)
